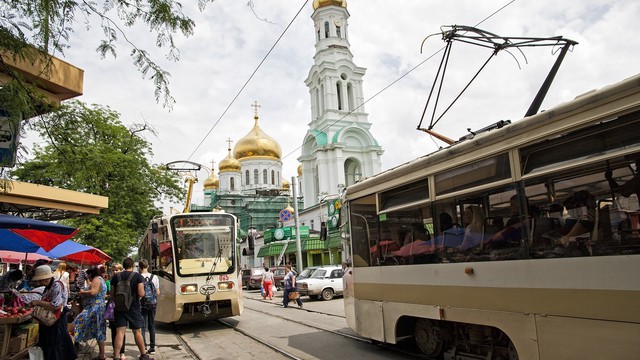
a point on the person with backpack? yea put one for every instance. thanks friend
(149, 303)
(127, 287)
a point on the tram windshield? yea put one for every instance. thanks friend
(204, 244)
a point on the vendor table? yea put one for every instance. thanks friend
(6, 324)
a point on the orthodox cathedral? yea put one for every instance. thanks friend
(337, 151)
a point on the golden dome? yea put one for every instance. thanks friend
(229, 163)
(291, 209)
(300, 170)
(211, 182)
(285, 184)
(257, 143)
(321, 3)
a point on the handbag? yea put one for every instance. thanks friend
(109, 311)
(44, 316)
(293, 295)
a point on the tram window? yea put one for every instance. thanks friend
(566, 149)
(364, 226)
(578, 216)
(474, 174)
(407, 194)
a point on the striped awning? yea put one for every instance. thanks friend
(292, 248)
(275, 249)
(270, 250)
(313, 244)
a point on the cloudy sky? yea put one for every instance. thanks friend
(231, 38)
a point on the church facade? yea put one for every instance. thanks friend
(337, 151)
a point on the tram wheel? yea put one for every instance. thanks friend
(428, 337)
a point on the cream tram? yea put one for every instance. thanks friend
(194, 257)
(522, 242)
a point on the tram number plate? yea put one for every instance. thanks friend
(224, 278)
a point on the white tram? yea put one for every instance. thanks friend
(194, 257)
(522, 242)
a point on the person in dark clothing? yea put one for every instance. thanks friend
(630, 187)
(133, 316)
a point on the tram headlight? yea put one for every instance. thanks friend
(189, 289)
(225, 285)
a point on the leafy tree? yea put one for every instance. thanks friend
(88, 149)
(47, 26)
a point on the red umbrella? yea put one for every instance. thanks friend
(14, 257)
(91, 256)
(28, 235)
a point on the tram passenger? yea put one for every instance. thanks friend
(581, 207)
(512, 233)
(474, 232)
(630, 187)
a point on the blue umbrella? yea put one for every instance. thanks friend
(28, 235)
(64, 249)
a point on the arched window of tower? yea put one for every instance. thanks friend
(339, 94)
(246, 180)
(264, 177)
(352, 171)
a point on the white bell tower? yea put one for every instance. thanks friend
(338, 148)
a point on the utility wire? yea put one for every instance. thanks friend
(396, 80)
(248, 80)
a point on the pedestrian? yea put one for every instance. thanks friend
(54, 340)
(90, 323)
(115, 269)
(11, 280)
(133, 315)
(290, 286)
(62, 275)
(267, 284)
(151, 284)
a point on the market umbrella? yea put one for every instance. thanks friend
(75, 252)
(91, 256)
(14, 257)
(28, 235)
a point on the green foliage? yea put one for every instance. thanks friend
(88, 149)
(47, 25)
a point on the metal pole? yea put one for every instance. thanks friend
(297, 221)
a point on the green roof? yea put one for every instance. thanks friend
(313, 244)
(291, 248)
(270, 250)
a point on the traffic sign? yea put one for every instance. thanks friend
(285, 215)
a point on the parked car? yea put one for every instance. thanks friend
(304, 274)
(278, 277)
(324, 283)
(248, 273)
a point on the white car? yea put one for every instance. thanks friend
(325, 283)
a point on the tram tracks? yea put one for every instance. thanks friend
(263, 314)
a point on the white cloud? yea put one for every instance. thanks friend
(385, 37)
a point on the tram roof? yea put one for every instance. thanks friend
(503, 137)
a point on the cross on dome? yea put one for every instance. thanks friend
(255, 106)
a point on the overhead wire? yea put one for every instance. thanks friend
(350, 111)
(248, 80)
